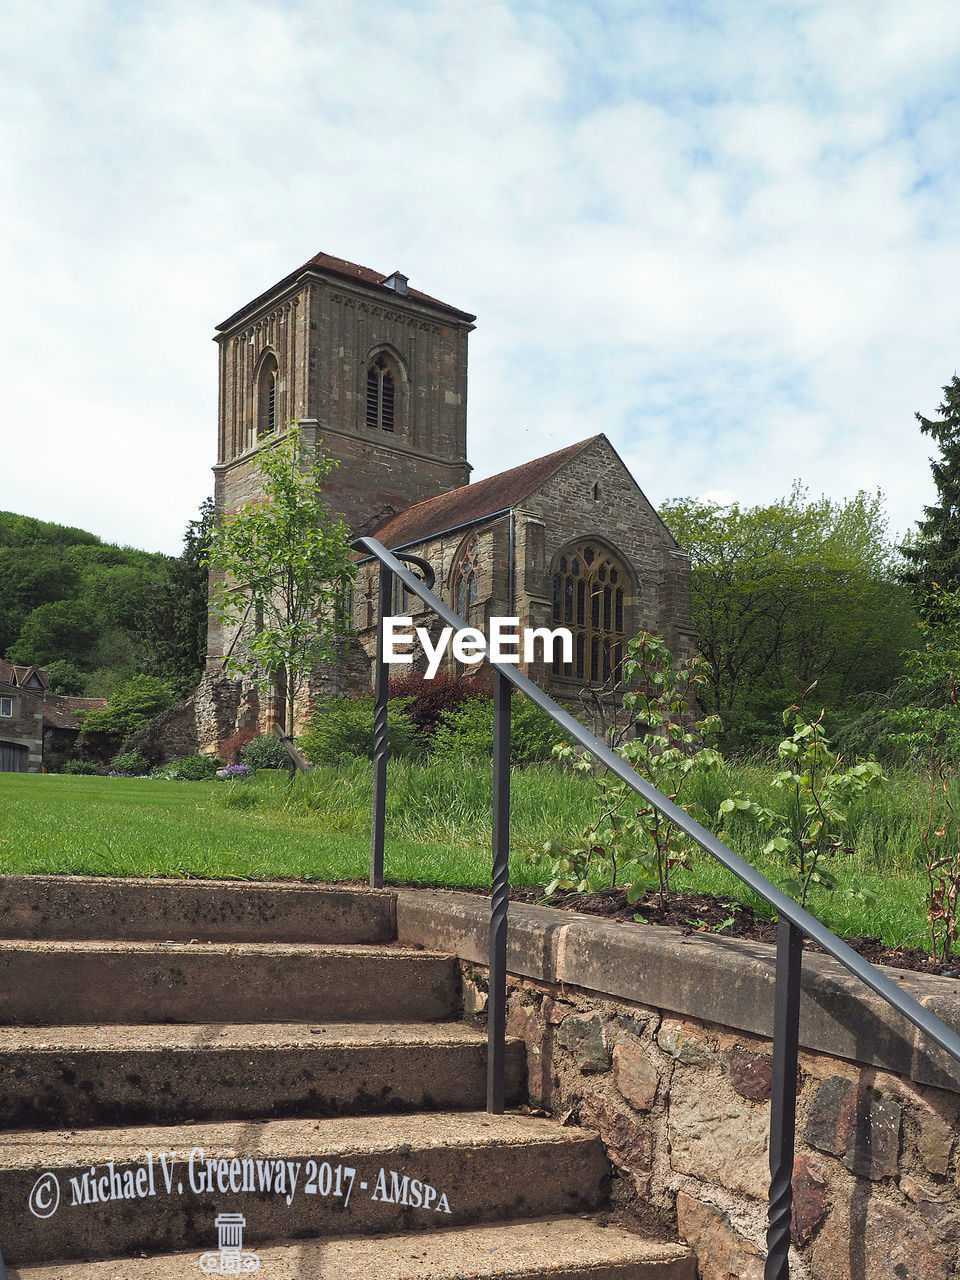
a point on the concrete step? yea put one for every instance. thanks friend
(565, 1248)
(68, 983)
(80, 1076)
(192, 910)
(412, 1174)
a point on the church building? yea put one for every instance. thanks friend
(377, 371)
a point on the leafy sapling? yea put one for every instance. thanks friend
(655, 736)
(811, 822)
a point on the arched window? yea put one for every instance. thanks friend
(463, 581)
(381, 396)
(589, 597)
(267, 397)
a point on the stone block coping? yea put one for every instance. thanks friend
(725, 981)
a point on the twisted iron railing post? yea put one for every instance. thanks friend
(381, 684)
(783, 1099)
(497, 998)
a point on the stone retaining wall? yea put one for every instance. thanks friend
(681, 1098)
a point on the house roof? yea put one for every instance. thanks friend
(473, 502)
(59, 710)
(12, 674)
(348, 271)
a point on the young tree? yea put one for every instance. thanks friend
(934, 554)
(284, 571)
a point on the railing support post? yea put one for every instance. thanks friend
(783, 1099)
(381, 679)
(497, 998)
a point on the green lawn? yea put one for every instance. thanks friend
(438, 825)
(140, 827)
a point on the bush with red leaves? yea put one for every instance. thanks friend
(433, 698)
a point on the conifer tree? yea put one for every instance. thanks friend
(934, 554)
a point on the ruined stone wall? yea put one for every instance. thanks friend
(677, 1083)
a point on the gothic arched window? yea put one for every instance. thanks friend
(381, 395)
(589, 597)
(463, 581)
(267, 396)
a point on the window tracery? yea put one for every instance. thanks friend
(589, 596)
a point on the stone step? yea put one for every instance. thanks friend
(564, 1248)
(80, 1076)
(68, 983)
(192, 910)
(412, 1174)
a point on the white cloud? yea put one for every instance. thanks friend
(723, 234)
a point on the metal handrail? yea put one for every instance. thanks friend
(794, 922)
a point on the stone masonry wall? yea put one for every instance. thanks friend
(682, 1103)
(622, 517)
(683, 1109)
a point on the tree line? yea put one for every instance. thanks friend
(94, 614)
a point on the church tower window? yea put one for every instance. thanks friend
(267, 396)
(590, 596)
(381, 396)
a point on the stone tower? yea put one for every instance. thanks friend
(377, 368)
(373, 368)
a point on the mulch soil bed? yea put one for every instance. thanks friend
(705, 913)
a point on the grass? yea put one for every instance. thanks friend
(438, 825)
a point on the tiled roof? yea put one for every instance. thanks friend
(59, 709)
(473, 502)
(348, 271)
(11, 674)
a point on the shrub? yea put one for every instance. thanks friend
(342, 729)
(133, 763)
(189, 769)
(131, 706)
(81, 766)
(467, 733)
(266, 752)
(431, 700)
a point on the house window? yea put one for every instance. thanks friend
(267, 397)
(6, 706)
(589, 597)
(381, 396)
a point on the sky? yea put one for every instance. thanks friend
(726, 234)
